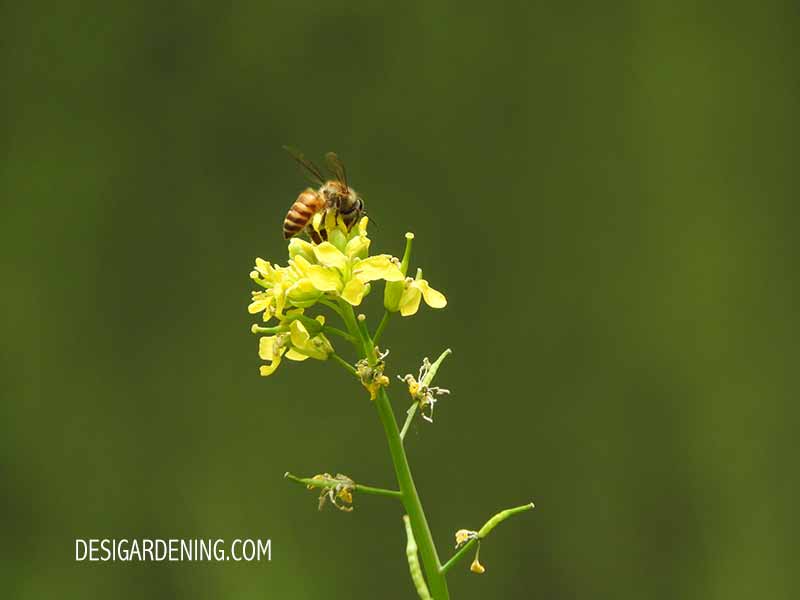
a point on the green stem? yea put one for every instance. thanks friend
(411, 501)
(412, 410)
(361, 323)
(329, 483)
(381, 327)
(275, 329)
(332, 305)
(350, 321)
(350, 369)
(339, 332)
(458, 555)
(483, 532)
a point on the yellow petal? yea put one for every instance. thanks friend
(337, 238)
(267, 370)
(362, 225)
(280, 300)
(409, 301)
(353, 291)
(332, 222)
(265, 348)
(433, 298)
(375, 267)
(329, 255)
(293, 354)
(260, 302)
(263, 267)
(298, 247)
(303, 293)
(316, 221)
(299, 334)
(357, 247)
(325, 279)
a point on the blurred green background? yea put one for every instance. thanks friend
(605, 192)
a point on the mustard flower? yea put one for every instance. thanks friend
(283, 286)
(414, 291)
(296, 344)
(344, 269)
(404, 296)
(340, 267)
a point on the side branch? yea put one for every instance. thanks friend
(483, 532)
(324, 483)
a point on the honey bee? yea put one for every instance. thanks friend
(333, 194)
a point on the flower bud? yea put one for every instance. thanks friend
(301, 248)
(303, 294)
(338, 239)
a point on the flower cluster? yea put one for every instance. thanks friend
(338, 270)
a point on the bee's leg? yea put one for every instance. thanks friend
(315, 237)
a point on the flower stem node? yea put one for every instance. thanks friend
(340, 495)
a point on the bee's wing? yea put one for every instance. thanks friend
(310, 168)
(336, 167)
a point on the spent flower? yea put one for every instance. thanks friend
(421, 392)
(371, 376)
(338, 490)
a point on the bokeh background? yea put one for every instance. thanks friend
(606, 193)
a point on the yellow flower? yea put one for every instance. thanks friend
(310, 346)
(417, 289)
(276, 281)
(296, 344)
(272, 349)
(283, 286)
(404, 296)
(343, 272)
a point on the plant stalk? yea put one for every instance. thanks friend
(419, 524)
(410, 498)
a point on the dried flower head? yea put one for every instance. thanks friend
(371, 376)
(424, 394)
(340, 494)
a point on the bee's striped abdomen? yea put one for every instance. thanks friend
(308, 203)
